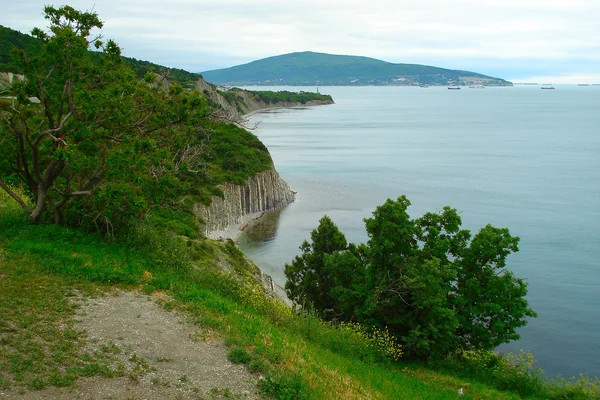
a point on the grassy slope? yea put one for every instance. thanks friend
(310, 67)
(42, 266)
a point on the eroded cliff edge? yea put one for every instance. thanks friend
(238, 103)
(265, 191)
(7, 79)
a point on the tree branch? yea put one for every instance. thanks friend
(15, 196)
(51, 132)
(80, 193)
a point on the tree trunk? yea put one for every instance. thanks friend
(42, 194)
(15, 196)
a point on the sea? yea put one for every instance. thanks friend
(516, 157)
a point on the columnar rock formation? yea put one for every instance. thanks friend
(7, 78)
(264, 191)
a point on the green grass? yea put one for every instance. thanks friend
(42, 268)
(39, 345)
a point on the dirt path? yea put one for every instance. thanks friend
(159, 356)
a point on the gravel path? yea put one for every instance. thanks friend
(163, 357)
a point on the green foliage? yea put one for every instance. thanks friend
(516, 373)
(236, 97)
(270, 97)
(141, 68)
(284, 387)
(104, 150)
(490, 300)
(232, 96)
(40, 345)
(239, 356)
(10, 39)
(236, 154)
(420, 278)
(576, 388)
(307, 282)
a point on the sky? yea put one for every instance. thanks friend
(549, 41)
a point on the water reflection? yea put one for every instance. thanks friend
(260, 232)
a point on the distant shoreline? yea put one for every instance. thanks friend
(297, 106)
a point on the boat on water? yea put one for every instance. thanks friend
(477, 87)
(547, 87)
(453, 87)
(424, 86)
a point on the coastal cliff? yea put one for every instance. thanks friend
(262, 192)
(7, 79)
(237, 103)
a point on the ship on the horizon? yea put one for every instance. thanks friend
(547, 86)
(453, 87)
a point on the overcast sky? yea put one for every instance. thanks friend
(555, 41)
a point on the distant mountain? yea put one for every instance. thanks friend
(309, 68)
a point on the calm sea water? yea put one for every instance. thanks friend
(516, 157)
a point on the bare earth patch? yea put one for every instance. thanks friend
(156, 353)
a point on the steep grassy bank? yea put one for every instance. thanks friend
(42, 267)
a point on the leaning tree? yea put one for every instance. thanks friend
(86, 138)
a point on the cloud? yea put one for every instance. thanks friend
(561, 79)
(201, 34)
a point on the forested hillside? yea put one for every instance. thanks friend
(310, 68)
(10, 38)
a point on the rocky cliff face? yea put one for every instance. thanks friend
(245, 102)
(264, 191)
(7, 78)
(248, 102)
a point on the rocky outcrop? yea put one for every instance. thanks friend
(7, 78)
(262, 192)
(248, 103)
(239, 102)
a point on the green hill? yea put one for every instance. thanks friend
(10, 38)
(309, 68)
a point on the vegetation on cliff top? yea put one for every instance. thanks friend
(292, 97)
(242, 98)
(104, 149)
(10, 38)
